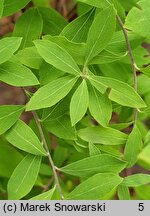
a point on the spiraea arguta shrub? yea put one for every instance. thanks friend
(89, 135)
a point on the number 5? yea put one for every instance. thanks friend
(141, 207)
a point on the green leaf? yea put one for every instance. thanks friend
(105, 4)
(112, 150)
(1, 8)
(146, 70)
(101, 32)
(76, 50)
(7, 47)
(57, 56)
(56, 111)
(143, 192)
(116, 48)
(29, 26)
(17, 75)
(45, 170)
(12, 6)
(30, 57)
(117, 71)
(42, 3)
(118, 43)
(9, 159)
(98, 84)
(45, 196)
(100, 107)
(96, 187)
(133, 146)
(78, 29)
(51, 93)
(97, 3)
(106, 136)
(23, 177)
(121, 126)
(61, 127)
(120, 92)
(143, 83)
(140, 55)
(128, 4)
(48, 73)
(102, 163)
(9, 114)
(107, 57)
(136, 180)
(93, 150)
(144, 155)
(123, 193)
(23, 137)
(143, 16)
(53, 22)
(79, 103)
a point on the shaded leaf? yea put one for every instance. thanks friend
(1, 7)
(29, 26)
(23, 137)
(56, 111)
(53, 22)
(48, 73)
(23, 177)
(9, 159)
(9, 114)
(45, 196)
(61, 127)
(78, 29)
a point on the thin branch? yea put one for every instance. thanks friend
(46, 187)
(48, 153)
(131, 59)
(84, 72)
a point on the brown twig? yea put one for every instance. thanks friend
(46, 187)
(64, 8)
(48, 153)
(84, 72)
(131, 59)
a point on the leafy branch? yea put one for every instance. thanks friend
(48, 153)
(125, 32)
